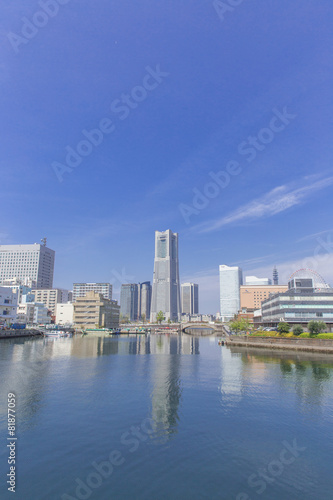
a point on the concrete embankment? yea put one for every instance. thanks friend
(15, 334)
(310, 345)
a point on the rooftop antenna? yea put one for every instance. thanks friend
(43, 241)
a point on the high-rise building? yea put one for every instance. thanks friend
(166, 289)
(27, 262)
(129, 301)
(81, 289)
(144, 300)
(190, 298)
(231, 278)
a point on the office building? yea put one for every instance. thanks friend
(144, 300)
(27, 262)
(95, 311)
(190, 298)
(231, 278)
(251, 296)
(166, 286)
(129, 301)
(254, 281)
(51, 297)
(301, 303)
(81, 289)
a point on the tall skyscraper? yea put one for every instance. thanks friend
(166, 289)
(190, 298)
(81, 289)
(129, 301)
(144, 300)
(27, 262)
(231, 278)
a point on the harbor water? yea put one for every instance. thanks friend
(162, 417)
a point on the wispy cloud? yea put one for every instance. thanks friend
(274, 202)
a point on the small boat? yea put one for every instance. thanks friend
(55, 333)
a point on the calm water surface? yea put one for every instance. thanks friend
(162, 417)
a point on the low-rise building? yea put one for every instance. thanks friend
(8, 305)
(95, 311)
(33, 313)
(50, 297)
(64, 314)
(300, 304)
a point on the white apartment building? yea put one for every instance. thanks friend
(8, 306)
(33, 313)
(27, 262)
(81, 289)
(231, 278)
(64, 314)
(50, 297)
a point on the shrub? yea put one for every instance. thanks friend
(297, 330)
(283, 327)
(316, 327)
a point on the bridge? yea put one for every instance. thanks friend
(216, 329)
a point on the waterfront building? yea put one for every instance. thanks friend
(129, 301)
(190, 298)
(81, 289)
(254, 281)
(95, 311)
(51, 297)
(8, 305)
(144, 300)
(301, 303)
(27, 262)
(231, 278)
(33, 313)
(64, 314)
(166, 289)
(251, 296)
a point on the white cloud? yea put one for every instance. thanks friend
(275, 201)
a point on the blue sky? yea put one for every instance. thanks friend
(208, 93)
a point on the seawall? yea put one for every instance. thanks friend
(310, 345)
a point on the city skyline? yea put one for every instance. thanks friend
(229, 147)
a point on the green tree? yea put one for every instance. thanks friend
(297, 330)
(169, 321)
(316, 327)
(160, 317)
(283, 327)
(240, 325)
(143, 317)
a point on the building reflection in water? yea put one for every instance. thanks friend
(29, 372)
(306, 375)
(231, 378)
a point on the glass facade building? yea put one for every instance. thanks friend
(300, 304)
(129, 301)
(231, 278)
(190, 298)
